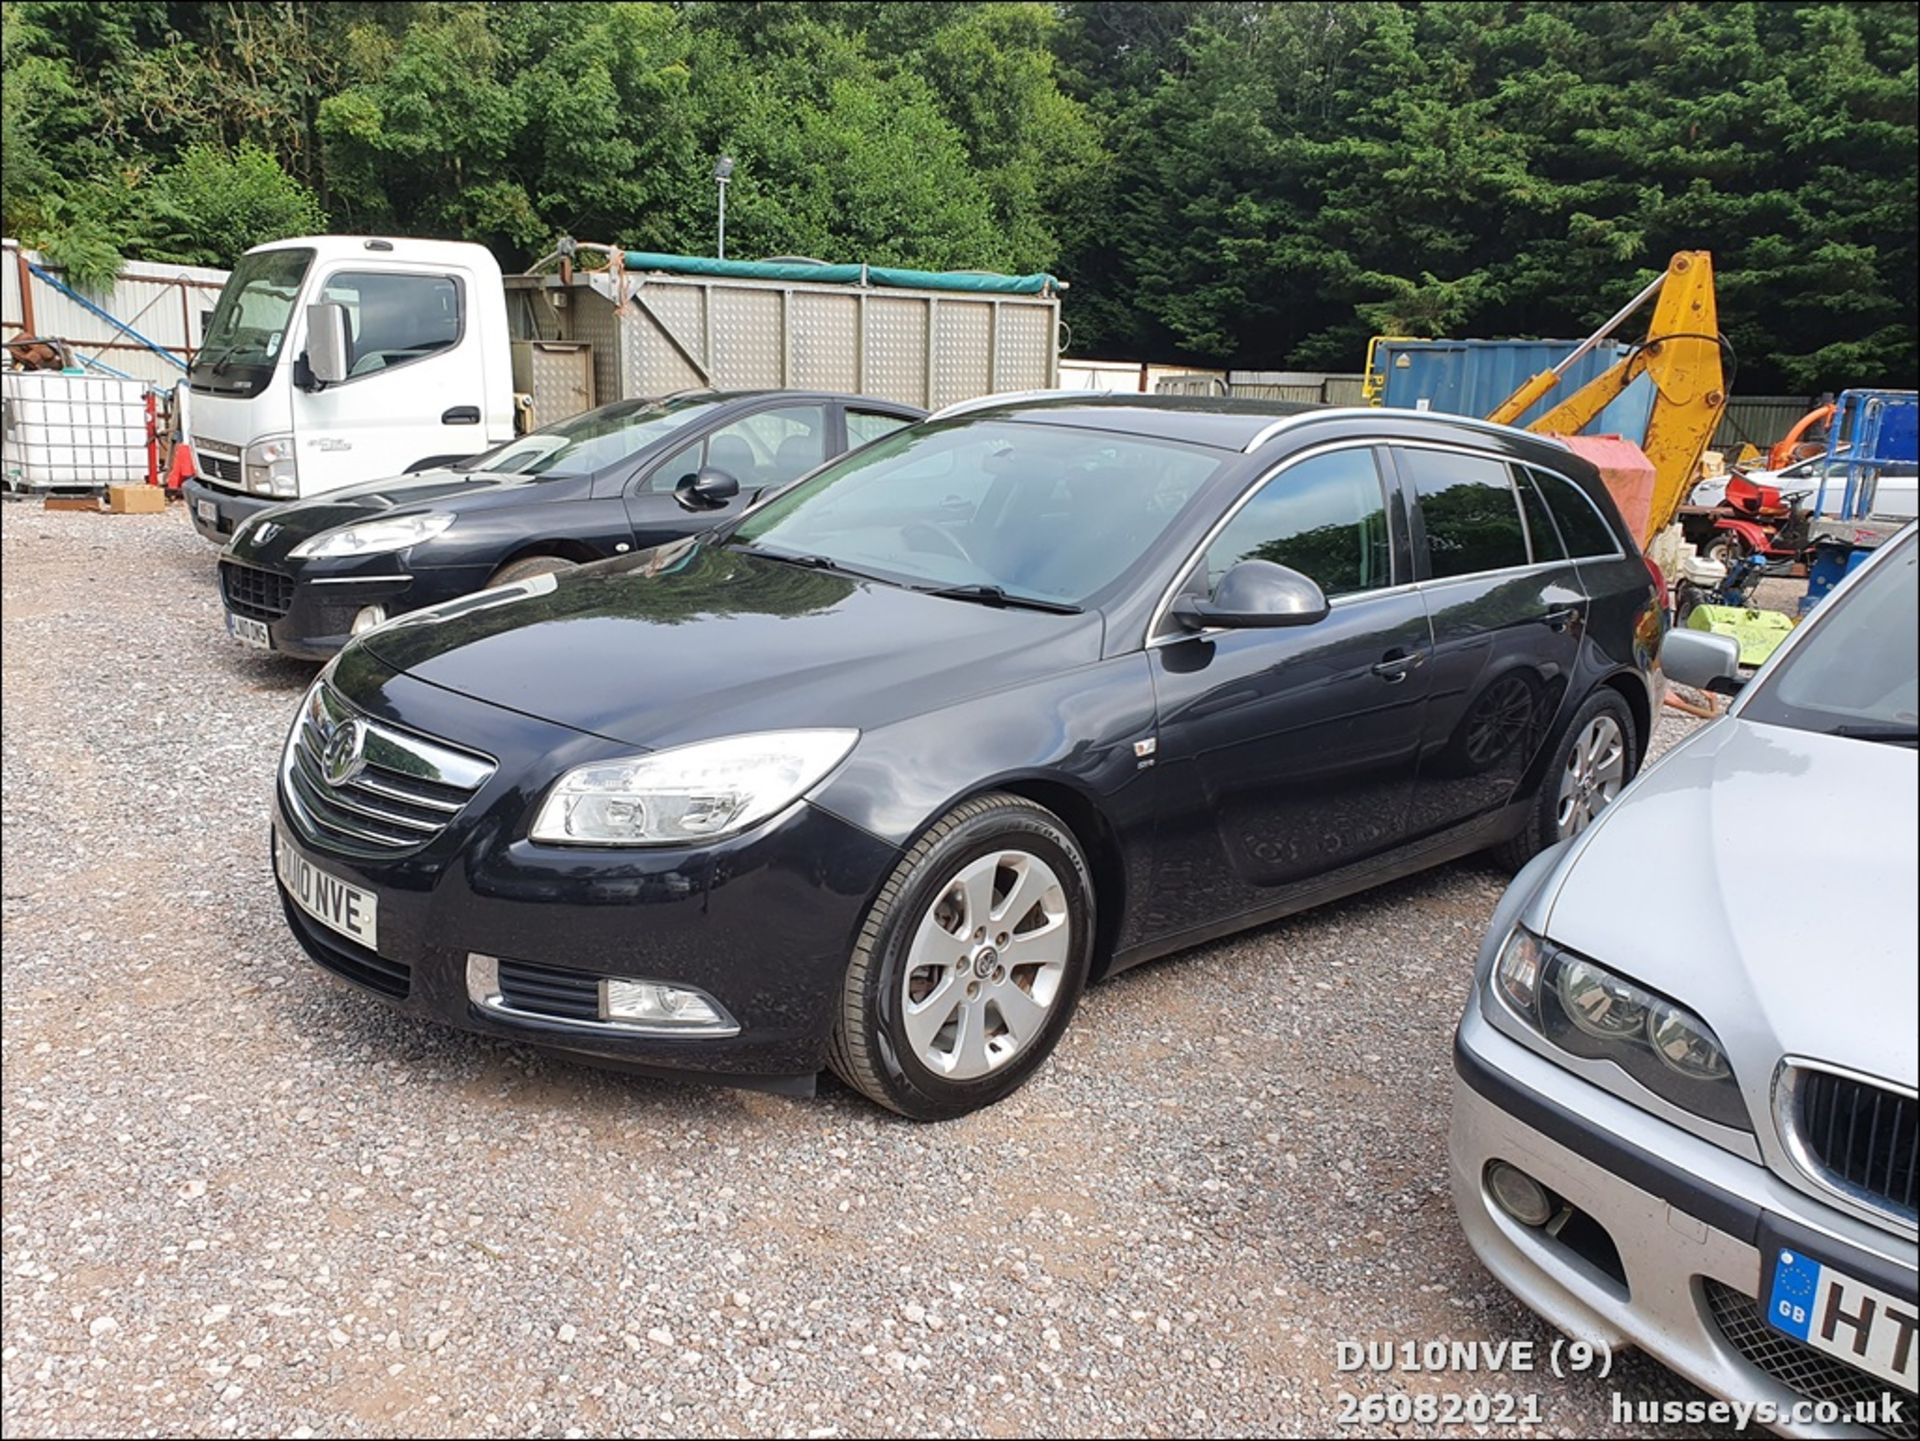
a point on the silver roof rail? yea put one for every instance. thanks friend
(1471, 422)
(1011, 397)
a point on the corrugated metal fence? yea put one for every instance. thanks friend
(1308, 385)
(1758, 420)
(166, 304)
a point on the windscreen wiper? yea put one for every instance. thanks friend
(996, 596)
(812, 562)
(1898, 735)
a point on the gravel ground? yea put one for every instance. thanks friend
(239, 1198)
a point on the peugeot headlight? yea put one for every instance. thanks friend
(371, 537)
(271, 468)
(690, 793)
(1590, 1011)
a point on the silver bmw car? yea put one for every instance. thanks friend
(1684, 1108)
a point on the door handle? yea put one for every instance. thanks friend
(1561, 619)
(461, 415)
(1395, 666)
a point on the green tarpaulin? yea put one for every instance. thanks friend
(978, 282)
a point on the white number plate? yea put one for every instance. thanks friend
(352, 912)
(208, 511)
(253, 632)
(1834, 1313)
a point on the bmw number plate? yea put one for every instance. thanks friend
(253, 632)
(1832, 1312)
(352, 912)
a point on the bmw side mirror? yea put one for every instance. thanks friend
(327, 344)
(706, 489)
(1703, 660)
(1255, 593)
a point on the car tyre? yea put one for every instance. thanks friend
(992, 907)
(1583, 772)
(530, 567)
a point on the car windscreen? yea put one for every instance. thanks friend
(1041, 512)
(595, 439)
(1855, 673)
(248, 327)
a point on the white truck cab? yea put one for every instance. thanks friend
(416, 369)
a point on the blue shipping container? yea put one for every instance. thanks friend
(1471, 377)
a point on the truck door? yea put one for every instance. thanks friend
(416, 381)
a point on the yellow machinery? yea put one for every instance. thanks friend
(1681, 355)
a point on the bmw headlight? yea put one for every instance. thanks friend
(690, 793)
(372, 537)
(1590, 1011)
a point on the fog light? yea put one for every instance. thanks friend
(1518, 1194)
(653, 1004)
(368, 618)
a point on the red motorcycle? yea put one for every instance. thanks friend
(1762, 522)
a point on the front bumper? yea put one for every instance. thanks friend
(230, 509)
(763, 922)
(1682, 1215)
(322, 598)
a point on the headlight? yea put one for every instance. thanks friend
(371, 537)
(1589, 1011)
(271, 469)
(691, 793)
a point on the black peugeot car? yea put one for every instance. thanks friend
(879, 774)
(306, 576)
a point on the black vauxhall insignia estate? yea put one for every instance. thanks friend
(879, 774)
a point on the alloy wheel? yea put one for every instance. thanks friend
(1596, 769)
(985, 965)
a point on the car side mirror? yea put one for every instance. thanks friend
(1254, 593)
(327, 343)
(1703, 660)
(706, 489)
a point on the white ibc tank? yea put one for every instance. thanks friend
(72, 430)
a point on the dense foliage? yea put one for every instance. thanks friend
(1234, 183)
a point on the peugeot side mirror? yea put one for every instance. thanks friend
(327, 343)
(706, 489)
(1254, 593)
(1703, 660)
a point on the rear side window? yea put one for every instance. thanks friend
(1471, 514)
(867, 425)
(1540, 527)
(1580, 523)
(1325, 517)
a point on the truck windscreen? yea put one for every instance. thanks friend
(250, 323)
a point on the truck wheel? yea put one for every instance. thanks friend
(970, 963)
(533, 565)
(1598, 754)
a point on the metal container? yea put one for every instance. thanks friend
(654, 333)
(557, 374)
(1471, 377)
(72, 431)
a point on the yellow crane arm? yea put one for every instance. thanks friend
(1681, 355)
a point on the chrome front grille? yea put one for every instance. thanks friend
(361, 787)
(1853, 1135)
